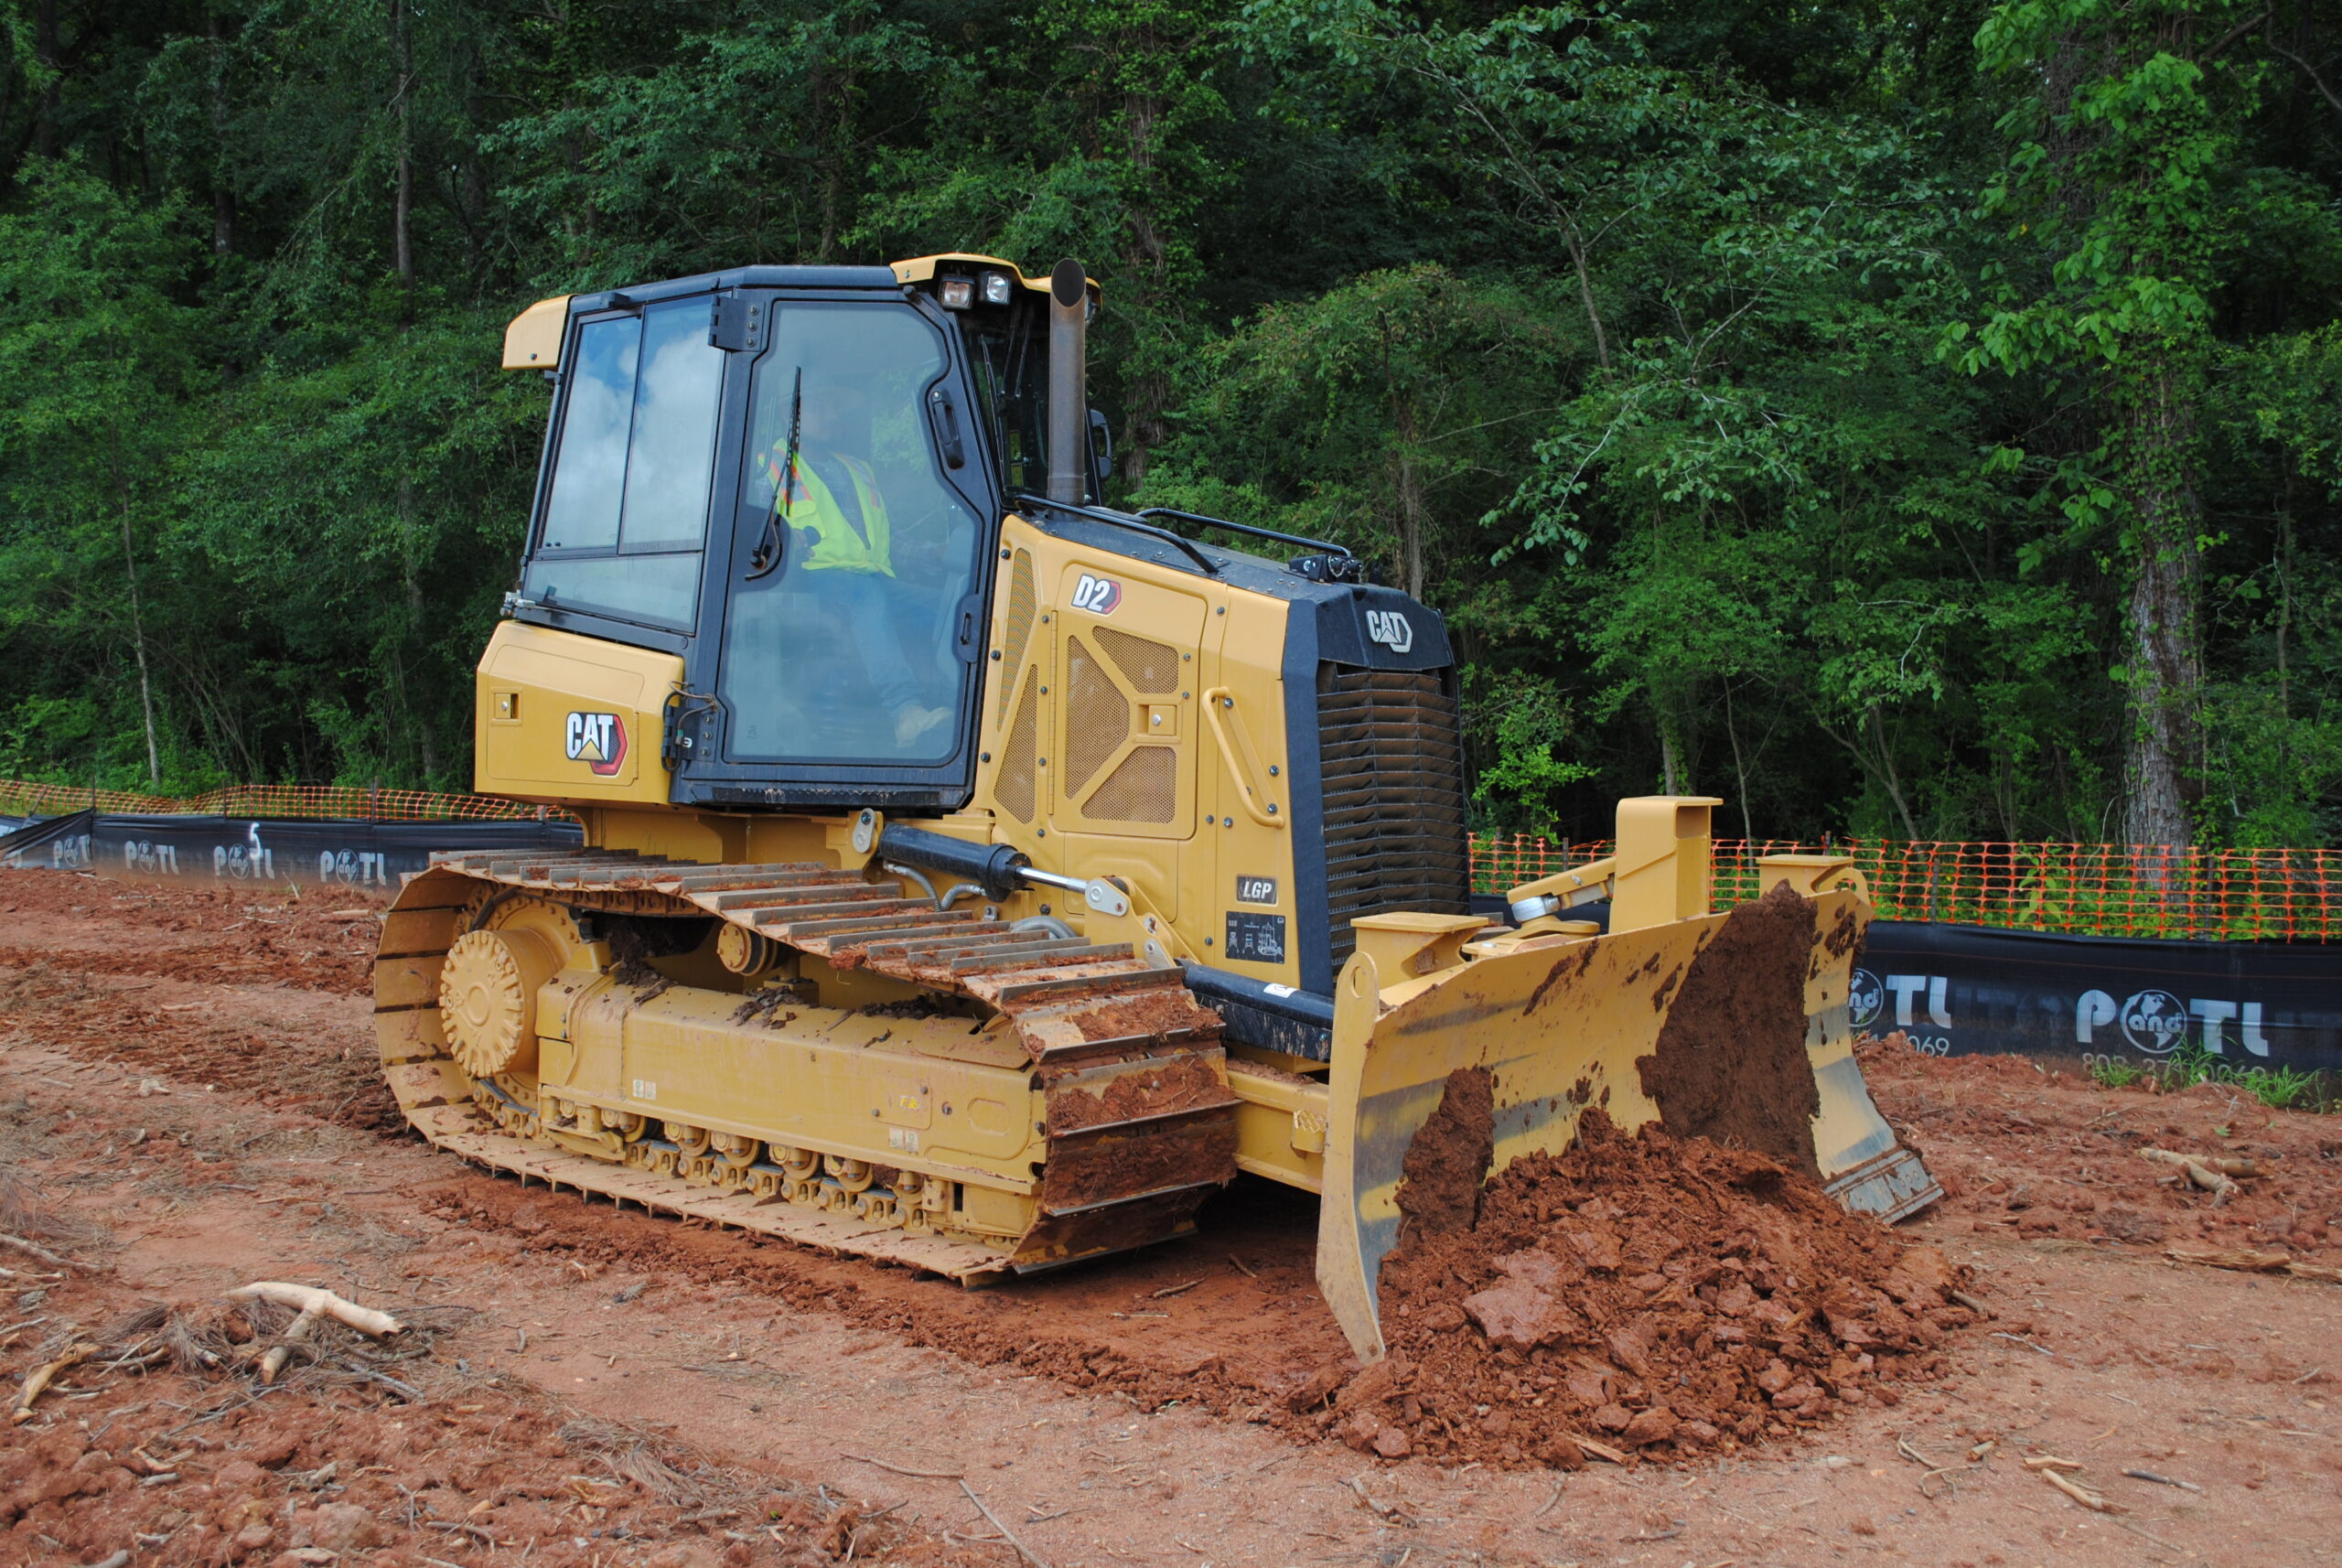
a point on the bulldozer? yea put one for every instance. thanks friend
(977, 877)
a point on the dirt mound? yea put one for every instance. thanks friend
(1649, 1295)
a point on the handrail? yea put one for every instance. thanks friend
(1256, 530)
(1118, 519)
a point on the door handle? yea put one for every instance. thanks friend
(947, 412)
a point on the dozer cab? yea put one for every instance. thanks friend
(977, 876)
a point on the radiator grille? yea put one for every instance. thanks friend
(1097, 718)
(1144, 788)
(1391, 770)
(1149, 666)
(1013, 787)
(1016, 628)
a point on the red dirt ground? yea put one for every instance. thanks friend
(1106, 1415)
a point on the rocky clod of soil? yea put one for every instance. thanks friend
(1653, 1296)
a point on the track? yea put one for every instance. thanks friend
(1134, 1122)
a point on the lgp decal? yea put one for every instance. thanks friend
(1098, 596)
(597, 740)
(1391, 629)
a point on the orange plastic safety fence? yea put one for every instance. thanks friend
(2121, 890)
(265, 800)
(2128, 890)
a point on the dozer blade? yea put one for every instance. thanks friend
(1732, 1027)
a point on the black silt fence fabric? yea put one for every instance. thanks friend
(1959, 990)
(305, 850)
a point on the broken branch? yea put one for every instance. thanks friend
(40, 1377)
(39, 1253)
(2250, 1262)
(1010, 1536)
(2196, 1171)
(311, 1301)
(2081, 1494)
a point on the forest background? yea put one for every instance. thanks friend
(1919, 420)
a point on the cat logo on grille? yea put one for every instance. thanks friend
(1391, 629)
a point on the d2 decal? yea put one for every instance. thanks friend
(597, 740)
(1098, 596)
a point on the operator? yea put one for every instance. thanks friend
(833, 506)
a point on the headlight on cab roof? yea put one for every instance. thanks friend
(957, 293)
(998, 288)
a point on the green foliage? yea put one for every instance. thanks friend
(2114, 1072)
(2279, 1088)
(1788, 404)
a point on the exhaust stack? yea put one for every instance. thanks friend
(1068, 384)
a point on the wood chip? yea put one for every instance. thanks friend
(2050, 1461)
(1599, 1450)
(2162, 1480)
(1174, 1290)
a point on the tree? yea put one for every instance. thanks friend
(97, 359)
(2119, 146)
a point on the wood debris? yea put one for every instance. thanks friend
(2081, 1494)
(40, 1377)
(2247, 1260)
(311, 1302)
(2202, 1171)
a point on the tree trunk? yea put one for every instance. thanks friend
(138, 642)
(1147, 394)
(416, 629)
(44, 50)
(2167, 648)
(1739, 767)
(223, 195)
(1407, 483)
(402, 248)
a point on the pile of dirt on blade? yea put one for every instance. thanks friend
(1648, 1295)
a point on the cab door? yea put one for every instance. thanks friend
(843, 668)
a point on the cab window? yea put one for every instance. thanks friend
(626, 522)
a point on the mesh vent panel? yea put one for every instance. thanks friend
(1150, 667)
(1391, 766)
(1097, 718)
(1144, 788)
(1013, 787)
(1018, 630)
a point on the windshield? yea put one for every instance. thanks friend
(839, 646)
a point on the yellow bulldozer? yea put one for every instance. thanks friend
(978, 877)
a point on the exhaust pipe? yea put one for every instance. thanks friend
(1068, 384)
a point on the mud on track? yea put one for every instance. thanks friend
(1112, 1415)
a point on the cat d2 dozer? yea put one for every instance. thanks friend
(978, 877)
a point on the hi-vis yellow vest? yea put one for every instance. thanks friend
(837, 545)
